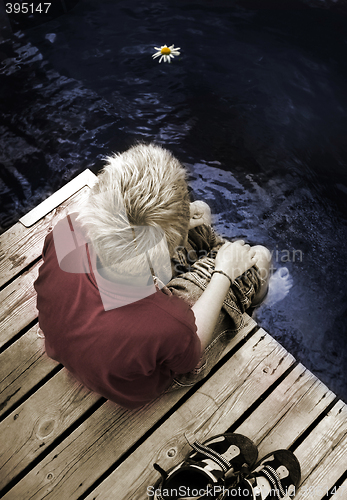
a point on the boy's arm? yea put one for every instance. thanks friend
(233, 259)
(207, 308)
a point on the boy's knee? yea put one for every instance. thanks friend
(263, 256)
(262, 253)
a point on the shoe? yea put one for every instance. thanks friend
(204, 472)
(276, 476)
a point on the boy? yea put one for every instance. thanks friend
(100, 305)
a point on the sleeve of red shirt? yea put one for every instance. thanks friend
(187, 360)
(184, 354)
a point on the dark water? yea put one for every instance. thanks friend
(255, 106)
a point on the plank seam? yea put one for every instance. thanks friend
(52, 446)
(261, 398)
(35, 388)
(335, 487)
(314, 424)
(21, 272)
(168, 414)
(18, 335)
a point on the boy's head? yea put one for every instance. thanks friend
(140, 196)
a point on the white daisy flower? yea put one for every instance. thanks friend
(166, 53)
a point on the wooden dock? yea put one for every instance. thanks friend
(60, 441)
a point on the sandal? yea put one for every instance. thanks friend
(276, 476)
(203, 473)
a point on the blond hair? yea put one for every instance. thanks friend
(140, 196)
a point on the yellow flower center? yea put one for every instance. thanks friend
(165, 50)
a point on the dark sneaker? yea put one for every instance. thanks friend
(203, 474)
(276, 476)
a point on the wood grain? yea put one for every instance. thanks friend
(286, 413)
(215, 406)
(94, 446)
(323, 455)
(35, 424)
(23, 365)
(20, 246)
(18, 304)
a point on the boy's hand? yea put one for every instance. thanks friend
(235, 258)
(200, 213)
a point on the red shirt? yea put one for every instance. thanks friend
(127, 354)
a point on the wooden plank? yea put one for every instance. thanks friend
(323, 455)
(296, 402)
(274, 424)
(35, 424)
(108, 433)
(86, 178)
(212, 410)
(22, 366)
(20, 246)
(18, 304)
(245, 370)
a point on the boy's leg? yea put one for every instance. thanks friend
(201, 240)
(204, 244)
(248, 288)
(251, 289)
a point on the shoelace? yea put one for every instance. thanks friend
(273, 477)
(268, 471)
(210, 453)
